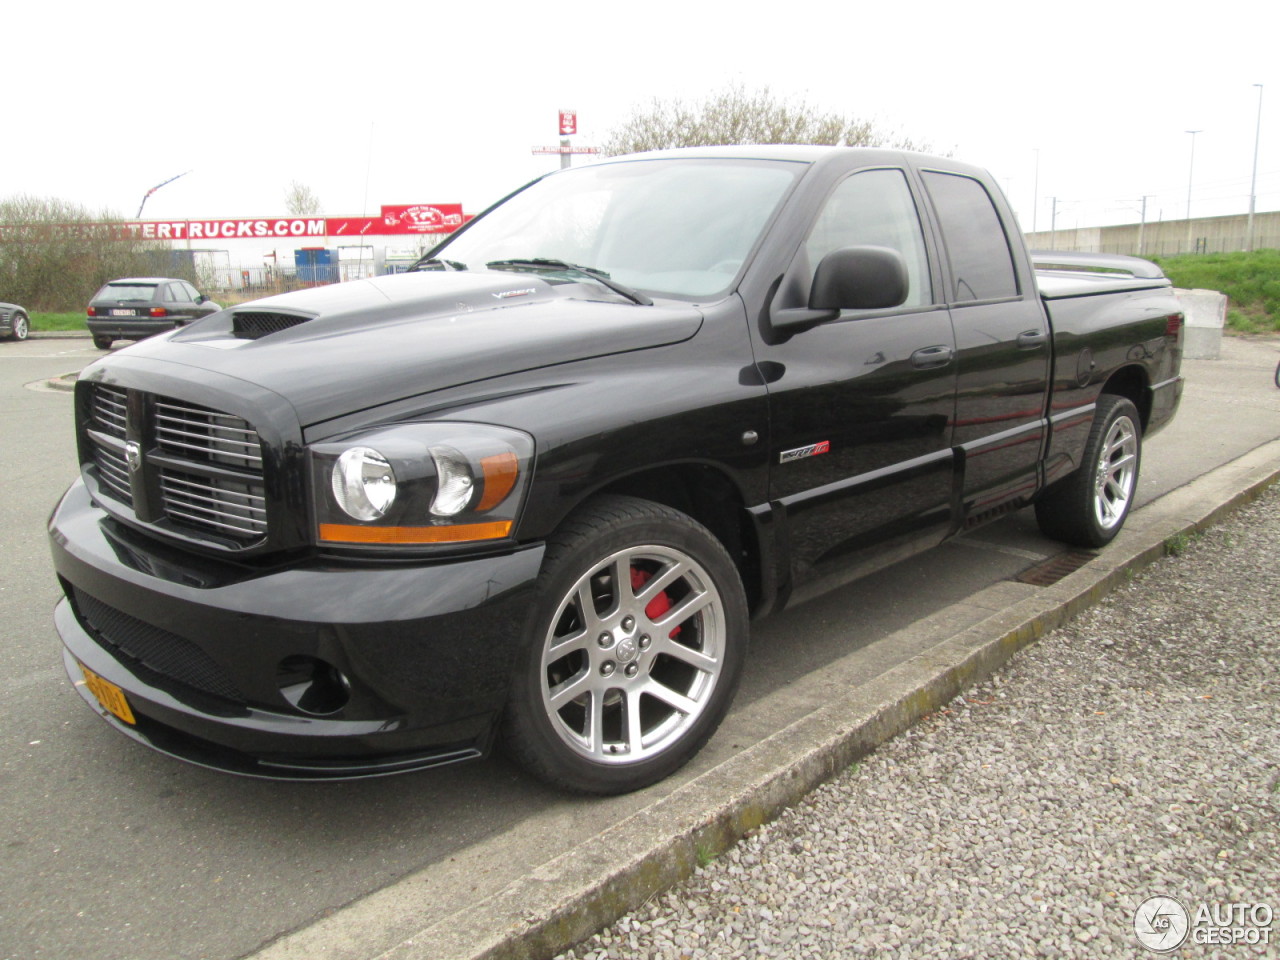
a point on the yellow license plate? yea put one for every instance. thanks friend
(109, 695)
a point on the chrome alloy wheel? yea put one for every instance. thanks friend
(633, 654)
(1116, 473)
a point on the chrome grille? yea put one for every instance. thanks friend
(199, 470)
(110, 409)
(231, 506)
(198, 432)
(113, 472)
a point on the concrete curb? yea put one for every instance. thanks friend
(572, 896)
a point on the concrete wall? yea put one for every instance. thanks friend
(1166, 238)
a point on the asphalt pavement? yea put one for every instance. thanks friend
(115, 852)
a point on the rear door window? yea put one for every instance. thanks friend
(976, 244)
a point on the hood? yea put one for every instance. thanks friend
(335, 350)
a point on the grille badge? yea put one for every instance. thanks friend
(133, 455)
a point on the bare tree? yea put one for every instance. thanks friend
(300, 200)
(736, 115)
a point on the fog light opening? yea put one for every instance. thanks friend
(312, 686)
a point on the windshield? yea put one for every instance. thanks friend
(678, 228)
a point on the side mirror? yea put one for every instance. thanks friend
(851, 278)
(860, 278)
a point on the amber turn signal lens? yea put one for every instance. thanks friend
(456, 533)
(500, 472)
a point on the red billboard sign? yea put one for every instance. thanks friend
(394, 221)
(223, 229)
(422, 218)
(354, 226)
(568, 123)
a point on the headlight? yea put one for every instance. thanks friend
(454, 484)
(421, 483)
(363, 484)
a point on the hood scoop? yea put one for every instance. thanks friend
(256, 324)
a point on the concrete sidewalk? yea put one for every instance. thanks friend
(506, 897)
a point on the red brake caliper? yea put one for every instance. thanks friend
(659, 604)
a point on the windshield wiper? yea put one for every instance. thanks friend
(599, 276)
(435, 263)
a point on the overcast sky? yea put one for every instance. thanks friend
(395, 103)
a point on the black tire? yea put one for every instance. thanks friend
(1278, 374)
(600, 702)
(19, 326)
(1088, 508)
(103, 343)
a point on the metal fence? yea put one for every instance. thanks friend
(268, 280)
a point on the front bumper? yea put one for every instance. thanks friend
(206, 652)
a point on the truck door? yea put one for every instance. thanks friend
(861, 406)
(1002, 344)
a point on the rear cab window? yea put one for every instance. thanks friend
(976, 244)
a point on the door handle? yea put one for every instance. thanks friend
(926, 357)
(1030, 339)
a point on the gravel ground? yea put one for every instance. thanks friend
(1134, 753)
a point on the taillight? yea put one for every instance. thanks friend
(159, 312)
(91, 312)
(1173, 323)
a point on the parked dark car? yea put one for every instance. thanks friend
(14, 322)
(139, 307)
(535, 488)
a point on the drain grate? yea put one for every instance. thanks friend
(1050, 571)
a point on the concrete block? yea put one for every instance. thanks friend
(1206, 312)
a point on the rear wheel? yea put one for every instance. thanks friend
(19, 326)
(103, 343)
(1089, 507)
(633, 650)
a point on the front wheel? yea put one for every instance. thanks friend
(632, 652)
(19, 326)
(1089, 507)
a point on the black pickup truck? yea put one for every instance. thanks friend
(535, 489)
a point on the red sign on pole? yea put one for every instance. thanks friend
(568, 123)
